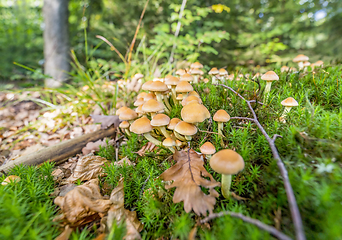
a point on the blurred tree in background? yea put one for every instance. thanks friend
(221, 33)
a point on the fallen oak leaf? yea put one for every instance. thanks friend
(82, 205)
(187, 178)
(106, 121)
(88, 167)
(118, 213)
(148, 147)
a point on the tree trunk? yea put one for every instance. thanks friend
(56, 42)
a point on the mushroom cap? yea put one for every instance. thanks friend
(152, 105)
(289, 102)
(171, 80)
(196, 65)
(214, 71)
(180, 72)
(227, 161)
(160, 120)
(301, 58)
(284, 69)
(146, 85)
(185, 128)
(139, 110)
(142, 95)
(139, 102)
(306, 64)
(207, 148)
(141, 125)
(179, 143)
(221, 116)
(124, 124)
(194, 113)
(184, 86)
(173, 122)
(270, 76)
(138, 76)
(189, 99)
(128, 114)
(179, 97)
(121, 110)
(222, 72)
(169, 142)
(156, 86)
(196, 71)
(149, 96)
(186, 77)
(319, 63)
(193, 93)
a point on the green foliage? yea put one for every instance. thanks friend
(26, 207)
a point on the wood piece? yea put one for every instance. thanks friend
(60, 151)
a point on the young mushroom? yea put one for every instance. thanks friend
(143, 126)
(160, 121)
(221, 116)
(300, 59)
(125, 125)
(226, 162)
(186, 129)
(269, 77)
(213, 72)
(170, 144)
(208, 149)
(288, 103)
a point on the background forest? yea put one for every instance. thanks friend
(217, 33)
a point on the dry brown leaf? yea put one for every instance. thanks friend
(187, 178)
(65, 234)
(106, 121)
(123, 161)
(95, 146)
(88, 167)
(82, 205)
(118, 213)
(148, 147)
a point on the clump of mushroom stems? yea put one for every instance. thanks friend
(162, 129)
(180, 137)
(152, 139)
(160, 99)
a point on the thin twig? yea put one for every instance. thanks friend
(259, 224)
(295, 214)
(275, 136)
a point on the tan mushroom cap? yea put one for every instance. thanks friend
(319, 63)
(160, 120)
(222, 72)
(270, 76)
(156, 86)
(142, 95)
(152, 105)
(289, 102)
(214, 71)
(146, 85)
(221, 116)
(184, 86)
(306, 64)
(141, 125)
(191, 98)
(139, 102)
(121, 110)
(207, 148)
(227, 161)
(171, 80)
(139, 110)
(180, 72)
(194, 93)
(179, 97)
(186, 77)
(197, 71)
(128, 114)
(301, 58)
(194, 113)
(284, 69)
(185, 128)
(173, 122)
(149, 96)
(169, 142)
(124, 124)
(196, 65)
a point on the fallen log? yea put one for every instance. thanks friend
(59, 152)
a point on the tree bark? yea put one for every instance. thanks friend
(56, 42)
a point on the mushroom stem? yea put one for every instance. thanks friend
(174, 95)
(225, 185)
(219, 131)
(164, 132)
(301, 65)
(160, 99)
(127, 132)
(171, 149)
(152, 139)
(213, 80)
(166, 100)
(180, 137)
(195, 78)
(286, 110)
(188, 138)
(267, 90)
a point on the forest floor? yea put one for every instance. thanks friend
(127, 169)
